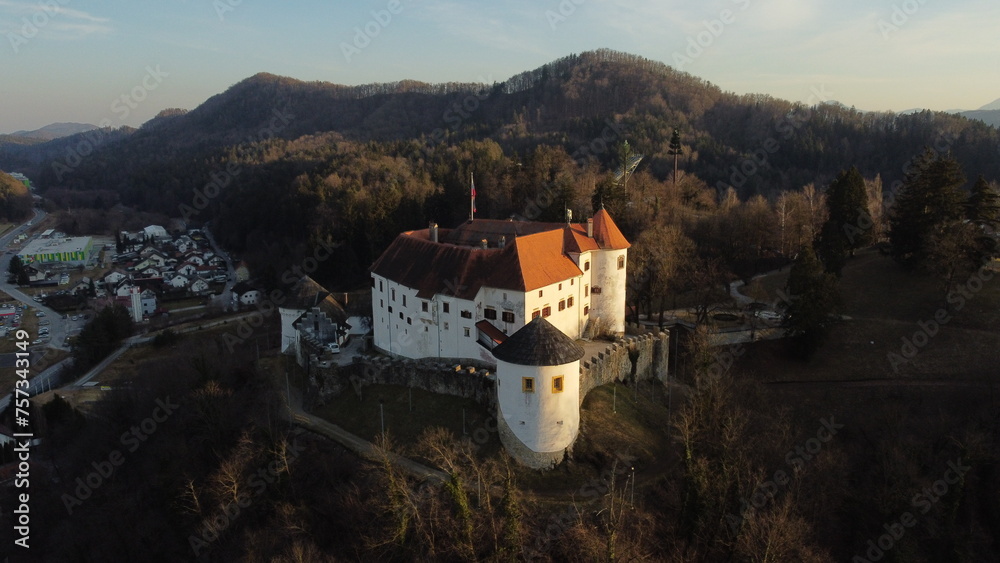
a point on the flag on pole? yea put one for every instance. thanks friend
(472, 181)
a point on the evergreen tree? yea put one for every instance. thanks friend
(675, 150)
(931, 197)
(848, 226)
(983, 206)
(813, 297)
(16, 268)
(982, 209)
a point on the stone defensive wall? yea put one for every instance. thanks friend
(632, 358)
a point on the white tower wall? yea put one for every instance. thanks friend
(543, 423)
(609, 304)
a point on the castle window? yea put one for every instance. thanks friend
(446, 326)
(535, 314)
(546, 311)
(560, 287)
(467, 332)
(557, 384)
(586, 309)
(390, 308)
(508, 317)
(569, 301)
(586, 266)
(381, 303)
(380, 285)
(400, 315)
(466, 314)
(539, 293)
(394, 295)
(571, 281)
(423, 306)
(562, 304)
(404, 301)
(490, 313)
(446, 307)
(596, 290)
(409, 321)
(528, 384)
(586, 291)
(621, 262)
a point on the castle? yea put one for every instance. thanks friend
(513, 294)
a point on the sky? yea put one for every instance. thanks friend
(120, 63)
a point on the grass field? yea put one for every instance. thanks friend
(887, 308)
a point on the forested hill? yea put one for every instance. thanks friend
(300, 147)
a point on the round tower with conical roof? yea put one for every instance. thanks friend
(538, 393)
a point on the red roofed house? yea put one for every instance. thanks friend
(457, 293)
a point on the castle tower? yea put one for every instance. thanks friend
(608, 281)
(538, 393)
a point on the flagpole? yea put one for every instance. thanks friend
(472, 204)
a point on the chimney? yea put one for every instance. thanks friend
(484, 244)
(434, 232)
(590, 228)
(503, 242)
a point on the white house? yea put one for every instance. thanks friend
(179, 281)
(245, 294)
(198, 286)
(113, 277)
(456, 293)
(148, 298)
(309, 299)
(187, 269)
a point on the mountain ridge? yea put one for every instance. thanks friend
(55, 131)
(567, 102)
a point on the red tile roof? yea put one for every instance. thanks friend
(534, 255)
(606, 233)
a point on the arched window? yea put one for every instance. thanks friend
(621, 262)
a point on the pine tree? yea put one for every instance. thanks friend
(848, 227)
(813, 297)
(16, 268)
(675, 150)
(982, 209)
(983, 206)
(931, 197)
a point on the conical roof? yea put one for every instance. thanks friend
(538, 343)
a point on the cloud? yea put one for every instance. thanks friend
(57, 22)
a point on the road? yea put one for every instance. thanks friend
(224, 299)
(39, 383)
(59, 328)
